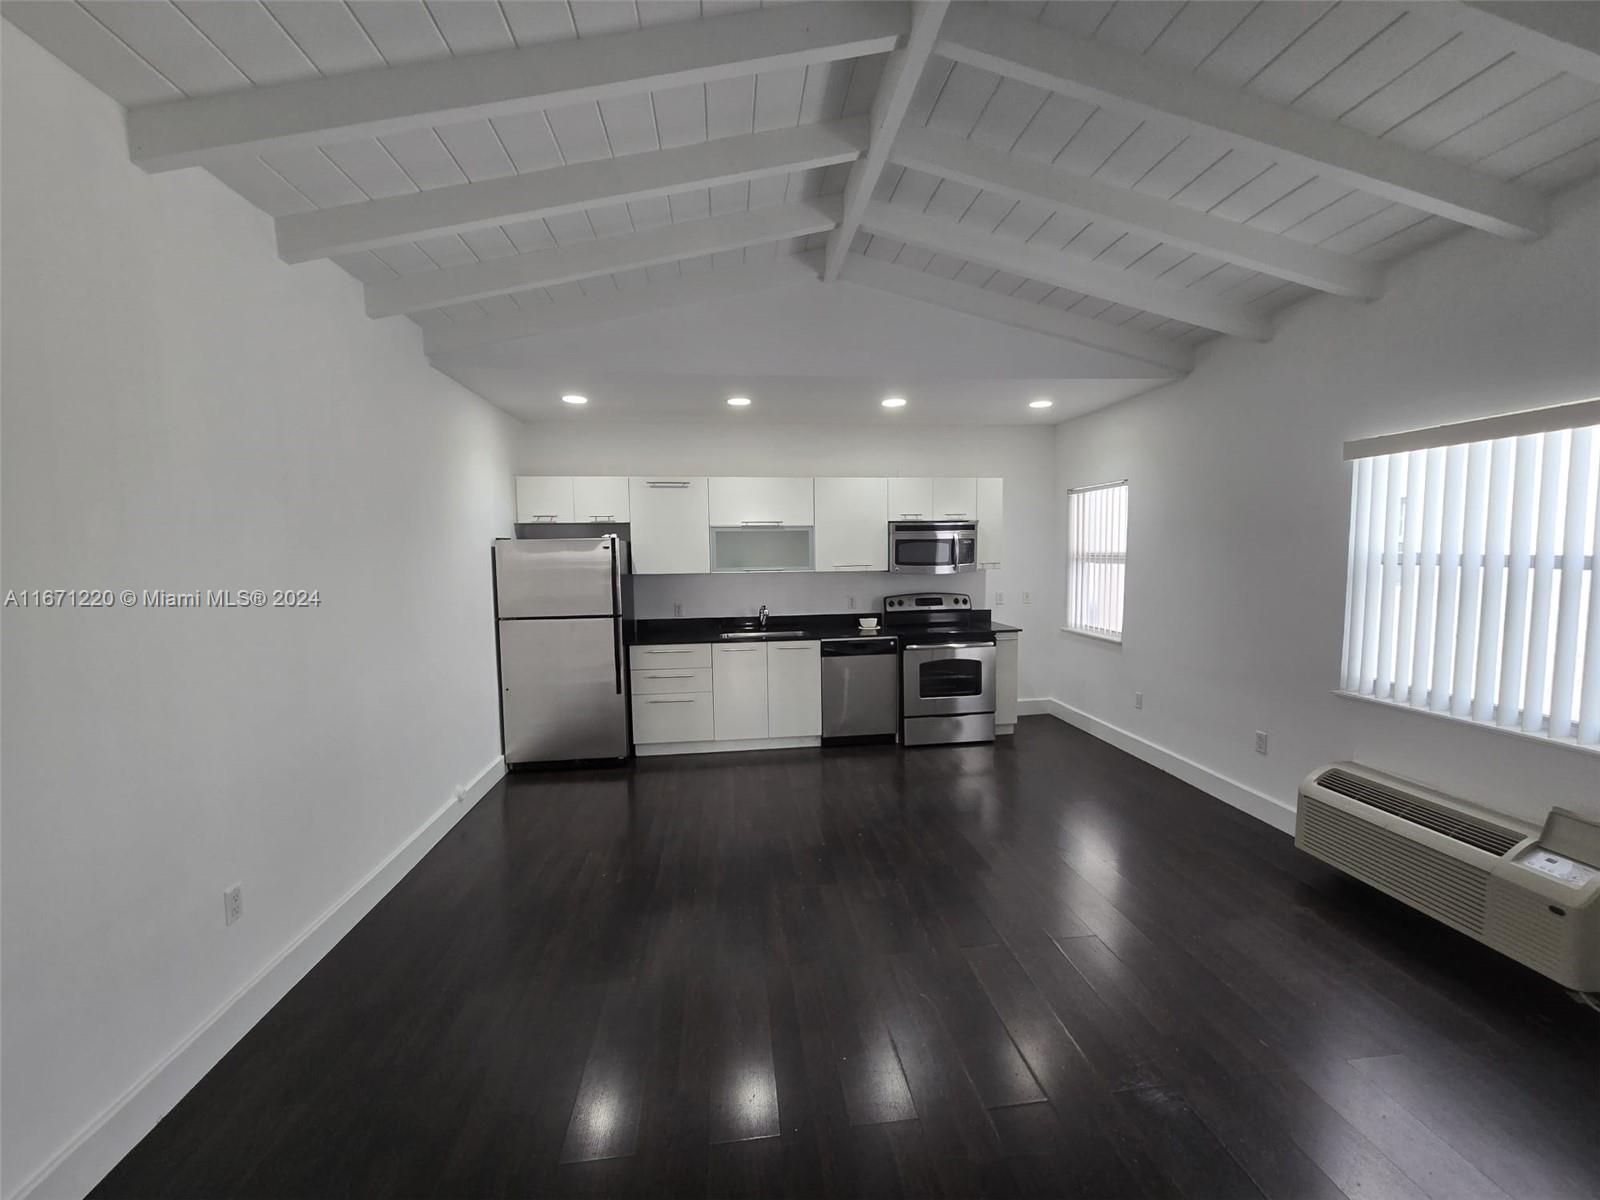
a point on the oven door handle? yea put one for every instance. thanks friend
(952, 646)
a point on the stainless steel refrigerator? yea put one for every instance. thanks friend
(563, 608)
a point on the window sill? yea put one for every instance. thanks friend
(1109, 639)
(1521, 735)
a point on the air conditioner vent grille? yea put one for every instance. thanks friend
(1456, 825)
(1444, 887)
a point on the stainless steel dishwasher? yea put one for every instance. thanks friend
(860, 690)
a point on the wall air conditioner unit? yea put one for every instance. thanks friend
(1531, 894)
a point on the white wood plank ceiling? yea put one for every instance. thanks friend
(1139, 176)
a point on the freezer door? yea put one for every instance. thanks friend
(560, 695)
(570, 577)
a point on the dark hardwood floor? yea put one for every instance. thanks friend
(1041, 968)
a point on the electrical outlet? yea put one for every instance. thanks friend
(999, 599)
(460, 792)
(677, 608)
(1138, 699)
(1261, 742)
(1027, 597)
(850, 602)
(233, 904)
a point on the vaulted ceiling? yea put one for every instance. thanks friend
(1133, 178)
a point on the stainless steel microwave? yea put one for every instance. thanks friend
(933, 547)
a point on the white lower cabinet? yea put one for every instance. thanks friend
(1005, 682)
(739, 689)
(794, 689)
(672, 717)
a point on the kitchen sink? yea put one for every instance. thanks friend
(752, 634)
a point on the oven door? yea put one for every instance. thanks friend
(933, 551)
(947, 678)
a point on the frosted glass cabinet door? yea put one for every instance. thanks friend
(600, 498)
(910, 498)
(852, 524)
(955, 499)
(544, 499)
(671, 533)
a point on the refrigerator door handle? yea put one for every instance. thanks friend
(616, 610)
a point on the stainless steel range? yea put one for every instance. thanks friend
(947, 684)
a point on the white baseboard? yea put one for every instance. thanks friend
(659, 749)
(89, 1156)
(1037, 706)
(1230, 791)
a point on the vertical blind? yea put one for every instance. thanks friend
(1097, 558)
(1471, 588)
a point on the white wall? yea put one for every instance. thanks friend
(1024, 458)
(181, 410)
(1239, 508)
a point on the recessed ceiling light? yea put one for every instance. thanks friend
(894, 402)
(573, 398)
(1040, 403)
(739, 401)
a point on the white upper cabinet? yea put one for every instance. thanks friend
(852, 524)
(669, 525)
(910, 498)
(600, 497)
(794, 689)
(991, 522)
(544, 498)
(955, 499)
(761, 500)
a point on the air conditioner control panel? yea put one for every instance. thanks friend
(1557, 866)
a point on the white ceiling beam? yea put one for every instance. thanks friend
(463, 207)
(191, 132)
(895, 89)
(453, 342)
(1059, 62)
(904, 224)
(1025, 179)
(605, 256)
(1564, 35)
(1164, 358)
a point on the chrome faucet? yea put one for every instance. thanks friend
(761, 618)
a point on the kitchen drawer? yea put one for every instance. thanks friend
(659, 681)
(675, 658)
(672, 718)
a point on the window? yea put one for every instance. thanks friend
(1097, 559)
(1471, 588)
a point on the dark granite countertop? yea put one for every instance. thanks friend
(820, 626)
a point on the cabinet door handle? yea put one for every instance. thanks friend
(736, 649)
(542, 516)
(910, 514)
(852, 564)
(601, 517)
(781, 647)
(670, 699)
(685, 650)
(671, 675)
(761, 522)
(666, 483)
(957, 514)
